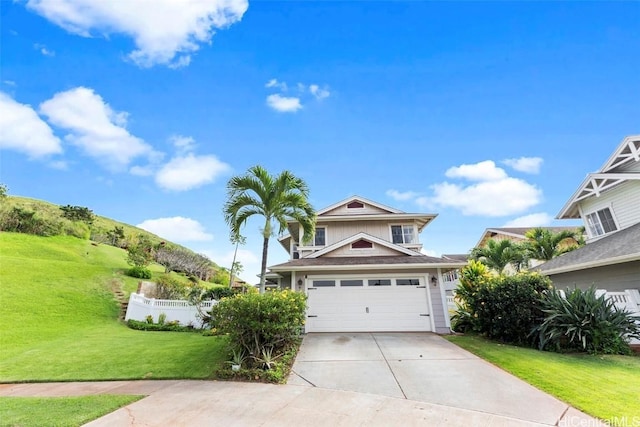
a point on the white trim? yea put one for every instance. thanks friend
(359, 236)
(334, 267)
(359, 199)
(372, 248)
(443, 296)
(617, 158)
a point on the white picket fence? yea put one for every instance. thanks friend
(187, 314)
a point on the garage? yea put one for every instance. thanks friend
(367, 304)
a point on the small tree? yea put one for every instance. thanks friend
(77, 213)
(115, 236)
(543, 244)
(497, 254)
(3, 191)
(141, 253)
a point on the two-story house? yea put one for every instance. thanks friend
(608, 202)
(364, 272)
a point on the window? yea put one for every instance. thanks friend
(355, 205)
(319, 239)
(296, 254)
(351, 283)
(380, 282)
(408, 282)
(323, 283)
(362, 244)
(402, 234)
(601, 222)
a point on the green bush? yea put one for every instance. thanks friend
(139, 273)
(217, 292)
(505, 308)
(173, 326)
(21, 220)
(582, 321)
(261, 325)
(169, 287)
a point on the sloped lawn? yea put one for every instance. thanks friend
(60, 319)
(604, 386)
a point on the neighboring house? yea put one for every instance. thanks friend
(515, 234)
(364, 271)
(451, 279)
(608, 202)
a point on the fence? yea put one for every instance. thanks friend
(187, 314)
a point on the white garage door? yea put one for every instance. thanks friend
(367, 305)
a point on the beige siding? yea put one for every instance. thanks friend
(377, 250)
(367, 210)
(614, 278)
(338, 231)
(624, 200)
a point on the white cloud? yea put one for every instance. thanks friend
(177, 229)
(187, 172)
(183, 144)
(429, 252)
(401, 196)
(43, 50)
(274, 83)
(164, 31)
(94, 127)
(525, 164)
(21, 129)
(142, 170)
(9, 82)
(284, 104)
(482, 171)
(540, 219)
(318, 92)
(501, 197)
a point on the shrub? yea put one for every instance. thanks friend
(168, 287)
(173, 326)
(21, 220)
(581, 320)
(505, 308)
(141, 253)
(77, 213)
(263, 326)
(139, 273)
(217, 292)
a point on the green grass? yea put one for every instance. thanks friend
(59, 318)
(58, 411)
(607, 387)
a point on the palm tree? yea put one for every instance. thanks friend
(276, 198)
(543, 244)
(497, 254)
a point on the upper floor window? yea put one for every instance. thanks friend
(320, 238)
(403, 234)
(601, 222)
(355, 205)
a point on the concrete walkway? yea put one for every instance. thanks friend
(341, 380)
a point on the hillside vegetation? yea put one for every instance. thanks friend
(60, 318)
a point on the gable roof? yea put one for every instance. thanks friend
(611, 174)
(622, 246)
(358, 199)
(516, 232)
(363, 236)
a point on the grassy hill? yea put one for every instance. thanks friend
(60, 318)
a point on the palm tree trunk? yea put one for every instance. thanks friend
(233, 264)
(263, 271)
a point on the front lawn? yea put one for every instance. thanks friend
(60, 319)
(59, 411)
(604, 386)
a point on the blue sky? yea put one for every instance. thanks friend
(487, 113)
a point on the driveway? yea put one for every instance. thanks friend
(421, 367)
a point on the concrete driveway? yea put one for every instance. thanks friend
(421, 367)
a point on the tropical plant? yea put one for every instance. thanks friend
(141, 253)
(584, 321)
(497, 254)
(276, 198)
(544, 244)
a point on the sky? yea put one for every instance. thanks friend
(488, 114)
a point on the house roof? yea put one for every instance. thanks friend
(358, 199)
(619, 247)
(516, 232)
(612, 173)
(354, 263)
(456, 257)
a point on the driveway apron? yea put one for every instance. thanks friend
(421, 367)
